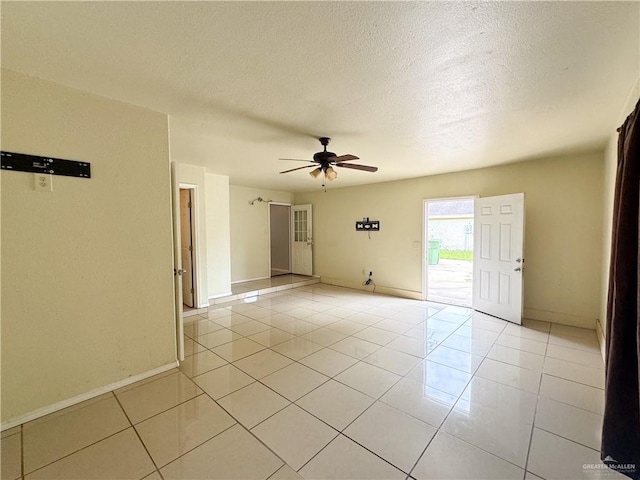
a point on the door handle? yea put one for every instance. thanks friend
(180, 271)
(517, 269)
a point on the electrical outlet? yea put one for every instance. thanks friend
(43, 182)
(371, 274)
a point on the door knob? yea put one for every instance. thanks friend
(517, 269)
(180, 271)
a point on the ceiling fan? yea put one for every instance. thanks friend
(325, 161)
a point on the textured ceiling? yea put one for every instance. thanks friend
(415, 88)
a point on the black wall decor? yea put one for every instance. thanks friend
(366, 225)
(21, 162)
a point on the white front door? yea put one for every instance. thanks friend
(302, 248)
(177, 260)
(498, 253)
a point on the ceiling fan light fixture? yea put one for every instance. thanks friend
(315, 172)
(323, 163)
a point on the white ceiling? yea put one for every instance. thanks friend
(415, 88)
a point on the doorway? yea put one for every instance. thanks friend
(302, 245)
(187, 246)
(448, 262)
(280, 238)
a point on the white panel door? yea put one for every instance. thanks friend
(498, 256)
(177, 260)
(302, 242)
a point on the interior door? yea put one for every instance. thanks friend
(498, 252)
(186, 247)
(302, 245)
(177, 260)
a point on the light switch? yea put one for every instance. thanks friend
(43, 182)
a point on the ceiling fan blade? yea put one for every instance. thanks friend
(343, 158)
(299, 168)
(296, 160)
(355, 166)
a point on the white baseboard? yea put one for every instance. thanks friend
(601, 340)
(212, 299)
(218, 295)
(397, 292)
(562, 318)
(251, 280)
(222, 300)
(41, 412)
(280, 271)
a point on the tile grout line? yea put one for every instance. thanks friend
(568, 439)
(137, 434)
(333, 378)
(341, 432)
(318, 452)
(570, 404)
(166, 409)
(77, 451)
(535, 414)
(243, 427)
(195, 447)
(415, 464)
(440, 429)
(23, 468)
(249, 430)
(375, 454)
(569, 380)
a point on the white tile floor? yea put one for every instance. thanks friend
(325, 382)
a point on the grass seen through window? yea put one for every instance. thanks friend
(456, 255)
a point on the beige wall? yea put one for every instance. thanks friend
(563, 240)
(87, 284)
(218, 235)
(250, 231)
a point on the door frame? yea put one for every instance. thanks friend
(425, 232)
(194, 239)
(177, 261)
(290, 232)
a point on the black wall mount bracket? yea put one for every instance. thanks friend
(22, 162)
(366, 225)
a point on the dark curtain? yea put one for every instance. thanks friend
(621, 428)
